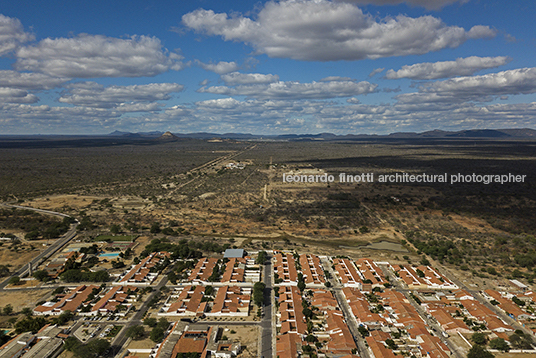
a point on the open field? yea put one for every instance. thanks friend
(135, 184)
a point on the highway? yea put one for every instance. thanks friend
(52, 249)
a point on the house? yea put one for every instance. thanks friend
(70, 302)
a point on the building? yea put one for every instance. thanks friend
(312, 270)
(232, 301)
(285, 269)
(203, 270)
(347, 273)
(47, 343)
(187, 301)
(118, 295)
(142, 273)
(234, 253)
(69, 302)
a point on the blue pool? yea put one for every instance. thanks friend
(111, 254)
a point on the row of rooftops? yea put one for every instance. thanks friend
(363, 273)
(506, 304)
(76, 299)
(293, 327)
(45, 343)
(69, 302)
(141, 274)
(285, 267)
(422, 277)
(237, 269)
(206, 343)
(189, 301)
(396, 313)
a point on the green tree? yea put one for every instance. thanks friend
(150, 321)
(155, 228)
(499, 344)
(7, 310)
(364, 230)
(157, 334)
(258, 293)
(424, 261)
(363, 331)
(520, 340)
(172, 277)
(477, 351)
(94, 348)
(135, 332)
(30, 324)
(479, 338)
(15, 280)
(71, 343)
(115, 229)
(63, 318)
(261, 257)
(27, 311)
(41, 275)
(310, 338)
(391, 344)
(163, 323)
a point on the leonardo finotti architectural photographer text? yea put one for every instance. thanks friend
(405, 178)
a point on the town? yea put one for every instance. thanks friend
(267, 303)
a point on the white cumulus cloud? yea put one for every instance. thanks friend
(296, 90)
(13, 95)
(220, 67)
(321, 30)
(12, 34)
(475, 88)
(444, 69)
(87, 56)
(91, 94)
(427, 4)
(29, 81)
(237, 78)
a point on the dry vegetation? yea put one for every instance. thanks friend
(184, 187)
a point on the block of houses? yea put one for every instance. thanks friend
(203, 270)
(312, 270)
(140, 274)
(185, 301)
(231, 301)
(347, 273)
(69, 302)
(285, 269)
(117, 295)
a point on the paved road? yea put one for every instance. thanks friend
(52, 249)
(476, 294)
(120, 339)
(420, 310)
(266, 323)
(346, 310)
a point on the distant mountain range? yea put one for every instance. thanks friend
(470, 133)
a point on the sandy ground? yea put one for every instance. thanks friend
(247, 336)
(59, 201)
(23, 255)
(66, 354)
(21, 299)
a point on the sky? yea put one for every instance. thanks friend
(266, 67)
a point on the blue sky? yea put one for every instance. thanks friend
(267, 67)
